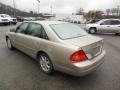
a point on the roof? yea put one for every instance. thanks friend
(110, 19)
(47, 22)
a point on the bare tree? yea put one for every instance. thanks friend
(118, 11)
(80, 11)
(5, 9)
(113, 11)
(98, 14)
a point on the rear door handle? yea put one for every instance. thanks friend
(108, 26)
(118, 26)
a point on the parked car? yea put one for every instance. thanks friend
(58, 46)
(39, 18)
(11, 20)
(20, 18)
(67, 19)
(29, 18)
(104, 26)
(32, 18)
(4, 21)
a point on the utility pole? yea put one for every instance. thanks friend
(51, 8)
(118, 10)
(14, 13)
(38, 8)
(38, 5)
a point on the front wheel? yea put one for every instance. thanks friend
(9, 44)
(92, 30)
(14, 23)
(45, 63)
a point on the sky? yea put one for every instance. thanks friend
(62, 6)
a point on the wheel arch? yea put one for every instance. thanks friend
(49, 55)
(41, 51)
(94, 28)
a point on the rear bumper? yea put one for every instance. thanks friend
(84, 68)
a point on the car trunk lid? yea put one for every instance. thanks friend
(91, 45)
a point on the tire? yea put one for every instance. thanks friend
(117, 33)
(9, 44)
(14, 23)
(10, 23)
(6, 24)
(45, 63)
(92, 30)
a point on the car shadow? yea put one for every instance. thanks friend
(106, 34)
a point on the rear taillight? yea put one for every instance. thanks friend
(78, 56)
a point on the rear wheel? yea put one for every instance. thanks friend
(45, 63)
(92, 30)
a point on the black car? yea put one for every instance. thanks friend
(20, 18)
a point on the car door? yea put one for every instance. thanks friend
(115, 26)
(32, 41)
(105, 26)
(18, 36)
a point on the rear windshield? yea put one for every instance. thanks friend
(68, 30)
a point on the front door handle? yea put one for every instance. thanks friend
(108, 26)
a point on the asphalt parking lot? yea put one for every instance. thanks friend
(20, 72)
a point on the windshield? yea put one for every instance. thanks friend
(93, 21)
(68, 30)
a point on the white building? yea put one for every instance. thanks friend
(68, 17)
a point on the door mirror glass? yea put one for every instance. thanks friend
(12, 30)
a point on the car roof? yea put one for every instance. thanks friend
(110, 19)
(47, 22)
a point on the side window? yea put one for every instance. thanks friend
(34, 30)
(43, 34)
(115, 22)
(22, 28)
(107, 22)
(37, 30)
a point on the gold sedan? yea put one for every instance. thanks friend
(58, 46)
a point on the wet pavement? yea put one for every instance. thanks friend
(20, 72)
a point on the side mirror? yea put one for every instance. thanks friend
(12, 30)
